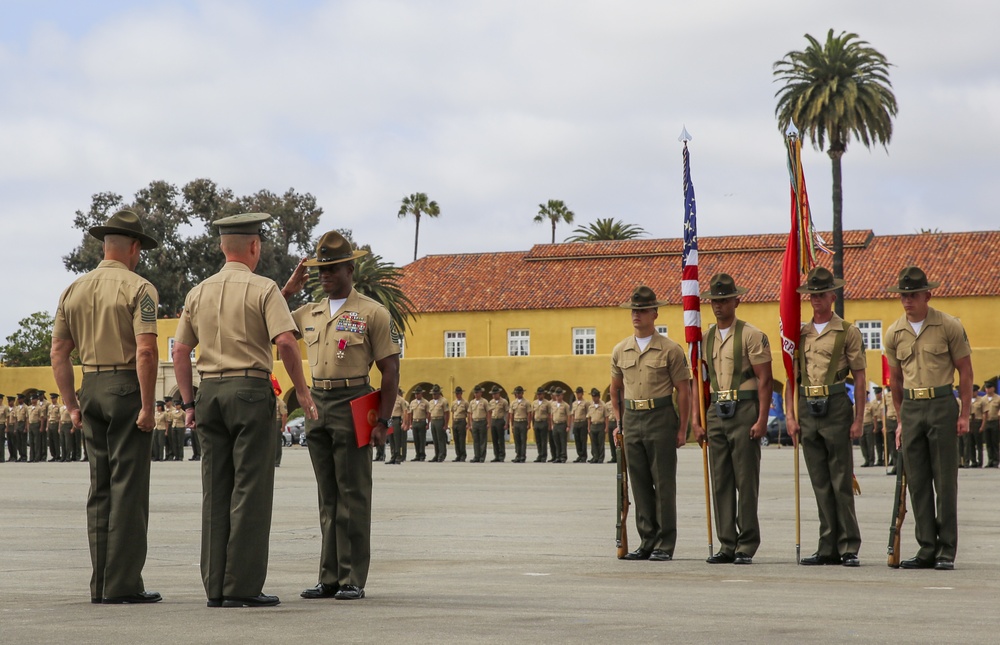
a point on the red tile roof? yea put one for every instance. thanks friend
(603, 274)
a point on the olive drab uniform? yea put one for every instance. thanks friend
(102, 313)
(235, 315)
(419, 409)
(560, 413)
(542, 421)
(177, 431)
(972, 455)
(459, 426)
(612, 426)
(280, 413)
(929, 417)
(889, 428)
(36, 440)
(596, 427)
(479, 412)
(398, 438)
(579, 413)
(499, 408)
(4, 437)
(161, 426)
(871, 445)
(734, 456)
(343, 470)
(991, 428)
(649, 427)
(826, 360)
(520, 415)
(438, 411)
(52, 429)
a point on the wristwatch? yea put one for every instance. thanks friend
(384, 422)
(187, 406)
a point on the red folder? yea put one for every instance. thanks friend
(364, 409)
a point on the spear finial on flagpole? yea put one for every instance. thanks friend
(685, 136)
(792, 131)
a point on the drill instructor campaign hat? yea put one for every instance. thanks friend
(911, 280)
(125, 222)
(820, 280)
(333, 248)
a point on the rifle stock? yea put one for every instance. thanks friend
(898, 513)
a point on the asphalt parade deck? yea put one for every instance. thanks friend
(500, 553)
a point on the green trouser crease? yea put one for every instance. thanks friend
(118, 501)
(890, 436)
(735, 463)
(479, 439)
(597, 442)
(992, 441)
(497, 434)
(459, 428)
(344, 481)
(651, 452)
(560, 436)
(440, 438)
(542, 439)
(36, 448)
(419, 440)
(520, 432)
(235, 422)
(867, 443)
(580, 439)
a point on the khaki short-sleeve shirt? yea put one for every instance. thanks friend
(991, 407)
(177, 417)
(653, 373)
(560, 411)
(53, 413)
(64, 415)
(756, 350)
(21, 413)
(4, 413)
(161, 420)
(347, 343)
(280, 409)
(437, 407)
(419, 409)
(928, 359)
(238, 314)
(890, 409)
(519, 409)
(459, 409)
(540, 410)
(399, 406)
(478, 408)
(818, 350)
(976, 409)
(873, 412)
(499, 408)
(597, 413)
(103, 311)
(34, 414)
(579, 409)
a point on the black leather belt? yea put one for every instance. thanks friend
(648, 404)
(337, 383)
(822, 390)
(921, 393)
(734, 395)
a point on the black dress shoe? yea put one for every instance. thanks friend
(250, 601)
(322, 590)
(720, 558)
(659, 555)
(742, 558)
(539, 460)
(95, 601)
(350, 592)
(850, 560)
(944, 565)
(916, 563)
(817, 559)
(134, 599)
(638, 554)
(214, 602)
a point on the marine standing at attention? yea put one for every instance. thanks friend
(345, 333)
(235, 316)
(646, 370)
(109, 316)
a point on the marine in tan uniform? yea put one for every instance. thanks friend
(21, 427)
(36, 440)
(417, 414)
(560, 412)
(924, 349)
(235, 316)
(888, 410)
(612, 426)
(439, 413)
(646, 370)
(398, 436)
(459, 424)
(498, 408)
(990, 428)
(177, 429)
(831, 350)
(739, 368)
(597, 421)
(4, 436)
(161, 424)
(578, 410)
(280, 419)
(52, 428)
(109, 316)
(870, 446)
(970, 445)
(479, 413)
(519, 418)
(542, 424)
(346, 333)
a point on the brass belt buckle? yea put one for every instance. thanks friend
(640, 404)
(920, 393)
(726, 395)
(816, 390)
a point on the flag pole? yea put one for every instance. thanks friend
(795, 445)
(700, 393)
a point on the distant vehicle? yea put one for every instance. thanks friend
(295, 431)
(776, 429)
(429, 438)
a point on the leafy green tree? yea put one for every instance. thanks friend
(606, 229)
(30, 345)
(417, 204)
(180, 218)
(555, 211)
(834, 91)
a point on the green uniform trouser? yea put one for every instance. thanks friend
(890, 437)
(597, 442)
(118, 501)
(929, 446)
(580, 439)
(974, 444)
(66, 441)
(195, 444)
(520, 431)
(440, 439)
(22, 440)
(992, 441)
(344, 480)
(867, 444)
(419, 440)
(279, 442)
(479, 440)
(235, 422)
(55, 453)
(35, 442)
(559, 436)
(5, 441)
(159, 440)
(612, 426)
(735, 462)
(398, 439)
(542, 439)
(499, 439)
(459, 427)
(177, 442)
(651, 452)
(829, 456)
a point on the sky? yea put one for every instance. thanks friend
(491, 108)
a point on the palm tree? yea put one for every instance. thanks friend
(835, 91)
(606, 229)
(554, 210)
(417, 204)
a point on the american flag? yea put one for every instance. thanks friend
(689, 268)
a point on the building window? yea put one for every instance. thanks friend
(518, 342)
(454, 344)
(170, 351)
(661, 330)
(584, 341)
(871, 333)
